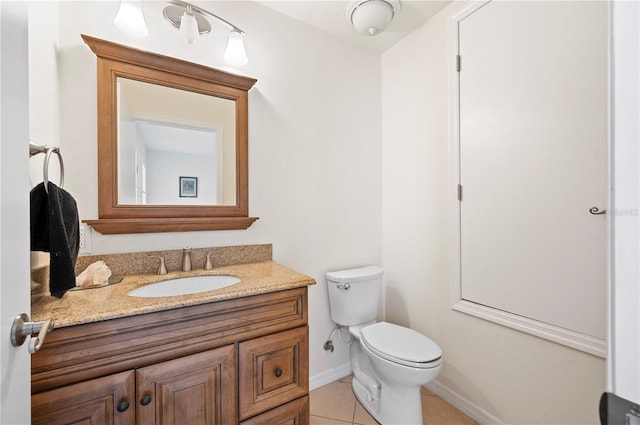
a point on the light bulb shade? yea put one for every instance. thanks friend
(189, 27)
(372, 16)
(236, 54)
(130, 19)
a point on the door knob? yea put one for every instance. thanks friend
(22, 328)
(597, 211)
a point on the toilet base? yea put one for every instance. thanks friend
(389, 403)
(393, 410)
(400, 405)
(370, 403)
(388, 391)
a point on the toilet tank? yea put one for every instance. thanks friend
(354, 294)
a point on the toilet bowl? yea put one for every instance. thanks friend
(390, 362)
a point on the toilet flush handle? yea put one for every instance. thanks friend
(344, 286)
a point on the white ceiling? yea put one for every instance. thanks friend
(162, 137)
(330, 16)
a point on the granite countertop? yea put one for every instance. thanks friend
(110, 302)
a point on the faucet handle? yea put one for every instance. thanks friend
(208, 265)
(161, 269)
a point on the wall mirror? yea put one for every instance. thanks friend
(172, 143)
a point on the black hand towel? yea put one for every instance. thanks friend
(55, 228)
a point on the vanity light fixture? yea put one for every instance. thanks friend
(188, 27)
(130, 19)
(190, 20)
(371, 17)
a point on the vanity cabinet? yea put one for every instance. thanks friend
(273, 371)
(94, 402)
(237, 361)
(197, 389)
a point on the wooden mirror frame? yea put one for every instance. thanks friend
(115, 60)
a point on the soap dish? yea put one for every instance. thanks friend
(112, 281)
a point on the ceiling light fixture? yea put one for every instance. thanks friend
(371, 17)
(190, 20)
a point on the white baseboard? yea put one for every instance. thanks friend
(328, 376)
(470, 409)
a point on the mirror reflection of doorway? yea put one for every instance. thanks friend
(174, 132)
(141, 180)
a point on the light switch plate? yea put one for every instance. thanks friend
(85, 239)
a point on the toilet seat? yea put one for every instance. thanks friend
(401, 345)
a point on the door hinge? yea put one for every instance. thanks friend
(459, 192)
(458, 63)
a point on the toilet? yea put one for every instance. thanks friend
(390, 363)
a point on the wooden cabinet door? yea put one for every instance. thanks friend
(197, 390)
(273, 370)
(102, 401)
(292, 413)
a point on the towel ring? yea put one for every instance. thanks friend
(45, 168)
(47, 150)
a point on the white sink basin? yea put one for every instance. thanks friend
(183, 286)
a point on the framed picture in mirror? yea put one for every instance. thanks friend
(188, 187)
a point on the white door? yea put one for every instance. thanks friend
(533, 152)
(624, 317)
(15, 390)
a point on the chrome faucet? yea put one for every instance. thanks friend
(208, 265)
(186, 259)
(161, 268)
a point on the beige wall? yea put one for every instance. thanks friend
(314, 138)
(496, 371)
(316, 152)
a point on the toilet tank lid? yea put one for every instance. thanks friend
(355, 275)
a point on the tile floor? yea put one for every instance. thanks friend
(335, 404)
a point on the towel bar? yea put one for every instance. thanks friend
(47, 150)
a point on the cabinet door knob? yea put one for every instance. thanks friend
(145, 400)
(278, 373)
(122, 406)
